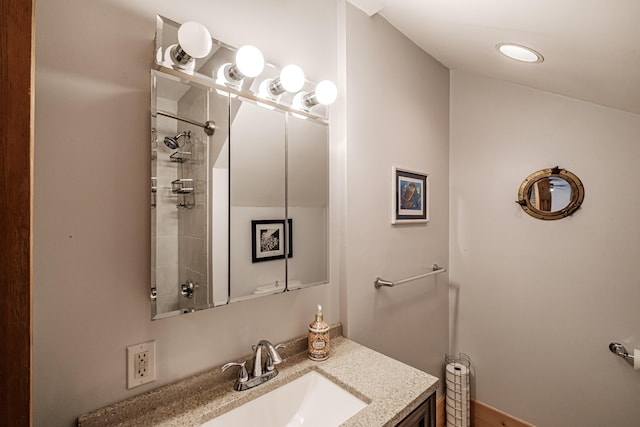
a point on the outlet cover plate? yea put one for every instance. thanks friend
(141, 364)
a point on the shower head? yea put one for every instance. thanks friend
(172, 141)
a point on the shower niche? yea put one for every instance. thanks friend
(222, 160)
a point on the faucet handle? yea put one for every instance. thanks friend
(268, 361)
(281, 345)
(268, 364)
(243, 375)
(276, 356)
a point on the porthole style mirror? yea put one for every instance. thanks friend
(551, 193)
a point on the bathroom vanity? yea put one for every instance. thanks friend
(395, 393)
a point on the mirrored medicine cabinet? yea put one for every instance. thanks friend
(239, 187)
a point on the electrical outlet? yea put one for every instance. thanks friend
(141, 364)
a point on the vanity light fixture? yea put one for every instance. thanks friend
(194, 41)
(291, 79)
(249, 63)
(519, 52)
(325, 93)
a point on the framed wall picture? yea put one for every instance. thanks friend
(410, 194)
(268, 239)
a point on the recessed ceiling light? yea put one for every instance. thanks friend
(519, 52)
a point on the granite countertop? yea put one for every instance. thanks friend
(391, 389)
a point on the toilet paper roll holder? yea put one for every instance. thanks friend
(619, 350)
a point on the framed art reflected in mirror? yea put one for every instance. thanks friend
(271, 239)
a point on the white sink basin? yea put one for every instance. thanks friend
(310, 401)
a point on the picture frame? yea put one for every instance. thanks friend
(268, 237)
(410, 196)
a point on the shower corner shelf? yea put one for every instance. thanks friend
(180, 156)
(182, 186)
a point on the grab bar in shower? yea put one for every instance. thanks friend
(379, 282)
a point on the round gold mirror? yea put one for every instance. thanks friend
(551, 193)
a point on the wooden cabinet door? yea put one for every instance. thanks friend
(423, 416)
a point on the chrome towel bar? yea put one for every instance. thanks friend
(382, 282)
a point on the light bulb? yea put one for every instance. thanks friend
(194, 39)
(292, 78)
(326, 92)
(298, 101)
(263, 92)
(249, 61)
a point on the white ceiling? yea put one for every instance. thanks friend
(591, 48)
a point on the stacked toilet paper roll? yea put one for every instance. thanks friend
(458, 392)
(458, 374)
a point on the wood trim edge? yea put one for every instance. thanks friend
(16, 209)
(440, 416)
(484, 415)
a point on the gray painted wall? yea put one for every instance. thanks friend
(539, 301)
(91, 199)
(397, 115)
(91, 224)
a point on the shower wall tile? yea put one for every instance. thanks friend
(167, 287)
(167, 279)
(166, 305)
(182, 253)
(194, 252)
(193, 223)
(200, 174)
(164, 218)
(166, 250)
(166, 215)
(190, 250)
(199, 150)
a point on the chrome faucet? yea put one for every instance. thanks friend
(260, 373)
(272, 358)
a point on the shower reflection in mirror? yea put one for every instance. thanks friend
(179, 201)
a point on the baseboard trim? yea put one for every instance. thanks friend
(440, 415)
(486, 416)
(482, 415)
